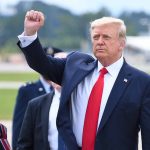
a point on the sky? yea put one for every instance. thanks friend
(83, 6)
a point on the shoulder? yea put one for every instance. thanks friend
(80, 56)
(41, 99)
(139, 74)
(28, 85)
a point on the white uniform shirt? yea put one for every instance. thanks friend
(45, 84)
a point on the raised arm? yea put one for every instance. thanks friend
(30, 45)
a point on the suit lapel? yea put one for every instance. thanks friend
(118, 89)
(45, 116)
(78, 75)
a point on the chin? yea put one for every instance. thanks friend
(99, 54)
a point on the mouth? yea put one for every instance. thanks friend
(100, 50)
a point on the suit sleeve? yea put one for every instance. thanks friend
(145, 119)
(48, 66)
(26, 137)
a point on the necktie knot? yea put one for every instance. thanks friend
(103, 71)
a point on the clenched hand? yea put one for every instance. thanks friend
(34, 20)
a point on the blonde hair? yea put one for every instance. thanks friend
(110, 20)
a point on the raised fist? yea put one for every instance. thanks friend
(33, 21)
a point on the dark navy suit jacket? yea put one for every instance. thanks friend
(25, 94)
(34, 131)
(127, 109)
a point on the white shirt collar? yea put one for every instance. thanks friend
(114, 68)
(46, 85)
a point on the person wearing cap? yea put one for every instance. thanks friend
(27, 92)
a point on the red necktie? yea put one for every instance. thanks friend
(92, 113)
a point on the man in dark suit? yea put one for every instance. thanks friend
(25, 94)
(39, 125)
(125, 100)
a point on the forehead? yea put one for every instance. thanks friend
(109, 29)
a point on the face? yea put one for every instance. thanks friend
(107, 46)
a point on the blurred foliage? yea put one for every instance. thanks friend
(16, 76)
(62, 28)
(7, 103)
(8, 96)
(134, 22)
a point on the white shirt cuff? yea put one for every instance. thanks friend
(26, 40)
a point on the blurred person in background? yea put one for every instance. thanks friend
(39, 131)
(25, 94)
(4, 144)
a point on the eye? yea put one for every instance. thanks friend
(95, 37)
(106, 37)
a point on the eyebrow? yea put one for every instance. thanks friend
(103, 35)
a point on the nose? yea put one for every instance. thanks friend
(100, 40)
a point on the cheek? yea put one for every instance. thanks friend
(95, 44)
(94, 49)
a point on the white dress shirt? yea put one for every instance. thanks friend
(52, 130)
(81, 93)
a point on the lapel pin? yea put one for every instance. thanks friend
(125, 80)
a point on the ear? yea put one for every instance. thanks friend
(122, 43)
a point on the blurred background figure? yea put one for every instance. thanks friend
(25, 94)
(39, 129)
(4, 145)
